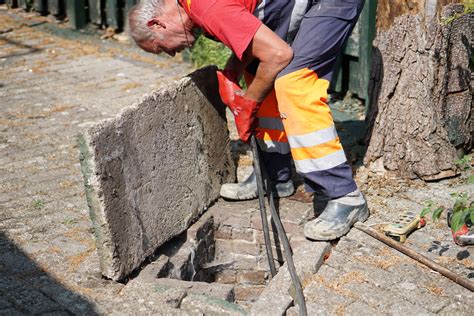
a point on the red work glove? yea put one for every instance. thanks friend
(244, 110)
(464, 230)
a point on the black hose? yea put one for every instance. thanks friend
(261, 201)
(279, 226)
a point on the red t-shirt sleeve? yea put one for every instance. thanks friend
(231, 23)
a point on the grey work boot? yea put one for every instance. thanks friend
(338, 217)
(247, 190)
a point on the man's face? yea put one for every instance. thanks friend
(170, 39)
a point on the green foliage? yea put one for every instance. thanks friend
(208, 52)
(465, 165)
(435, 212)
(462, 212)
(468, 9)
(38, 204)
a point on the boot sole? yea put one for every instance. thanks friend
(363, 216)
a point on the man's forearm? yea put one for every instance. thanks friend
(274, 55)
(263, 81)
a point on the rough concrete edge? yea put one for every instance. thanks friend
(96, 206)
(277, 296)
(168, 89)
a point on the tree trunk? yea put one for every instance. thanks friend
(421, 95)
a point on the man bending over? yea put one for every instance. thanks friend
(286, 51)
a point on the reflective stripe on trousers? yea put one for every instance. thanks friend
(270, 132)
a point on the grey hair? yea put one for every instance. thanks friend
(138, 17)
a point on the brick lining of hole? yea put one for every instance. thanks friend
(224, 248)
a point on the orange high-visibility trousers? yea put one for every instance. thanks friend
(301, 95)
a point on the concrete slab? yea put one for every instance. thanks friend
(154, 169)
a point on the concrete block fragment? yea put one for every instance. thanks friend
(154, 169)
(182, 263)
(201, 229)
(156, 269)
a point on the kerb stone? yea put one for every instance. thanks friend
(153, 169)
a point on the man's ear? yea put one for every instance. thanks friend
(155, 21)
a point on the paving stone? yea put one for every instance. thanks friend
(312, 309)
(358, 308)
(170, 297)
(457, 308)
(276, 298)
(32, 301)
(405, 308)
(220, 291)
(210, 306)
(11, 312)
(4, 304)
(72, 302)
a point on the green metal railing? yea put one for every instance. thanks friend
(109, 13)
(353, 68)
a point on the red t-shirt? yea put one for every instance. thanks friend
(230, 21)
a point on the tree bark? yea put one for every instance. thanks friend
(421, 96)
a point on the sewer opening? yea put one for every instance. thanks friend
(224, 248)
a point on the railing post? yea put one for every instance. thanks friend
(23, 4)
(111, 11)
(56, 8)
(12, 3)
(96, 8)
(41, 6)
(367, 34)
(128, 5)
(352, 69)
(76, 13)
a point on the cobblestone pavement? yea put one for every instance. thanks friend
(53, 84)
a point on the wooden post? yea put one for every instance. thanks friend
(41, 6)
(128, 5)
(352, 68)
(56, 8)
(366, 38)
(96, 8)
(76, 12)
(111, 11)
(23, 4)
(12, 3)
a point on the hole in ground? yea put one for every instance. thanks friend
(225, 249)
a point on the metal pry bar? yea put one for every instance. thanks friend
(279, 226)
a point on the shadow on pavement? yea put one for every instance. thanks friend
(29, 49)
(26, 288)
